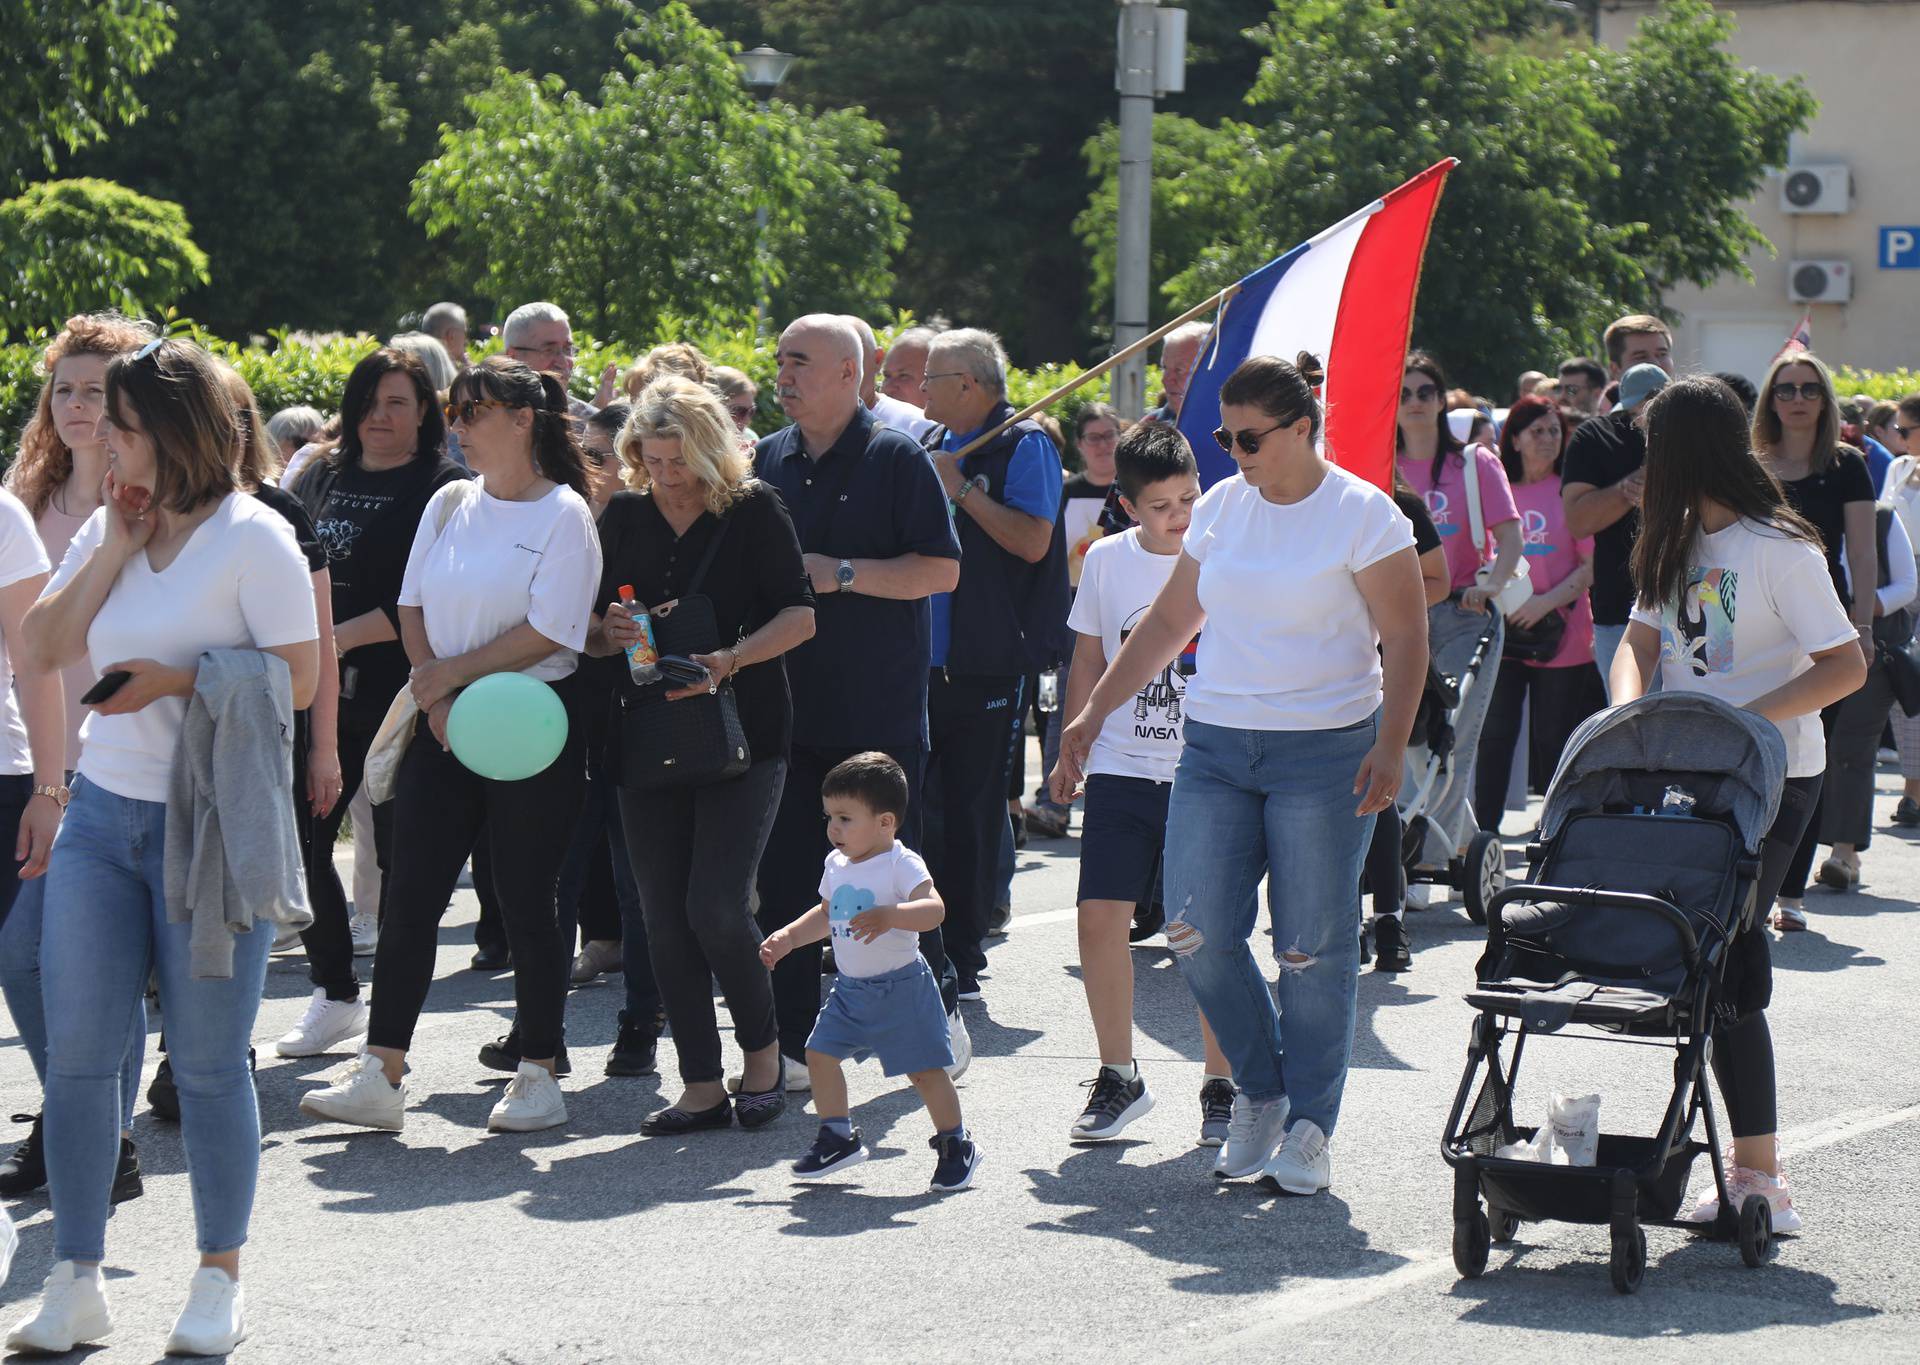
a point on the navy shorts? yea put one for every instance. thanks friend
(1122, 837)
(897, 1016)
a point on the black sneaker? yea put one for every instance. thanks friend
(26, 1170)
(1148, 920)
(999, 921)
(635, 1051)
(830, 1153)
(503, 1054)
(1907, 812)
(163, 1100)
(1392, 953)
(1113, 1104)
(126, 1176)
(492, 957)
(959, 1159)
(1216, 1112)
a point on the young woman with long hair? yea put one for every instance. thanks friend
(1717, 530)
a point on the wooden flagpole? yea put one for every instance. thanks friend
(1098, 370)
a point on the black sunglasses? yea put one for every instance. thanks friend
(1426, 393)
(1904, 431)
(1813, 391)
(1248, 441)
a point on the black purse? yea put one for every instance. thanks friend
(1539, 642)
(697, 740)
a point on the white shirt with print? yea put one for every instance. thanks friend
(847, 888)
(1118, 583)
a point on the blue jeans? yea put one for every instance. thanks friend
(1279, 804)
(20, 983)
(105, 930)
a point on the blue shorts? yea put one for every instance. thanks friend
(1122, 838)
(896, 1016)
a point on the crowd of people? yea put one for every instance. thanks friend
(797, 672)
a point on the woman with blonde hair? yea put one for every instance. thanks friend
(701, 525)
(1796, 434)
(675, 358)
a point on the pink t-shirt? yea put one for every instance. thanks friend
(1551, 554)
(1448, 504)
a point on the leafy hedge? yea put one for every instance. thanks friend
(291, 369)
(1889, 386)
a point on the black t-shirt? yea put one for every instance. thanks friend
(1602, 452)
(1822, 499)
(757, 574)
(366, 520)
(1426, 536)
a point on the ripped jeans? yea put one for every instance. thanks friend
(1249, 804)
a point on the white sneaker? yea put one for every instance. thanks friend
(798, 1081)
(1301, 1165)
(73, 1312)
(286, 941)
(597, 957)
(1252, 1134)
(327, 1024)
(366, 934)
(9, 1243)
(962, 1044)
(214, 1320)
(362, 1095)
(533, 1101)
(1741, 1182)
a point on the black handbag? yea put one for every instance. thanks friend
(697, 740)
(1902, 662)
(1539, 642)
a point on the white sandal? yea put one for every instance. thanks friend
(1787, 919)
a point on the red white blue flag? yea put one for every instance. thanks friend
(1801, 338)
(1347, 296)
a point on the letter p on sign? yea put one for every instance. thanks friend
(1900, 248)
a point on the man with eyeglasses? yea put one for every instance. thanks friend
(539, 335)
(1601, 480)
(886, 409)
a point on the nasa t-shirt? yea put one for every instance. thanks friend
(1118, 583)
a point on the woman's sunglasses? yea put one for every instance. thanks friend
(1248, 441)
(1812, 391)
(1426, 393)
(465, 409)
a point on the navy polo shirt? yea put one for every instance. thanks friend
(861, 681)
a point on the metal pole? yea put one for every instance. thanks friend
(1134, 78)
(764, 305)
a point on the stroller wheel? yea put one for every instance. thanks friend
(1629, 1264)
(1470, 1245)
(1502, 1225)
(1756, 1230)
(1483, 874)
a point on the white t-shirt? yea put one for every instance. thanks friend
(497, 564)
(1118, 582)
(1758, 604)
(847, 888)
(889, 411)
(1289, 642)
(57, 530)
(21, 556)
(240, 582)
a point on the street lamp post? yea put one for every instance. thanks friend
(1151, 62)
(763, 68)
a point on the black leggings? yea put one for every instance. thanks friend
(329, 939)
(440, 807)
(1794, 885)
(694, 853)
(1562, 698)
(1743, 1050)
(1383, 867)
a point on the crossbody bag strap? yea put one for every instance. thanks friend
(706, 560)
(1476, 524)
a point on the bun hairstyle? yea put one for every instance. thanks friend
(556, 444)
(1285, 390)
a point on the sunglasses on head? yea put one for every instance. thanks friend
(149, 348)
(1248, 441)
(1813, 391)
(1426, 393)
(464, 409)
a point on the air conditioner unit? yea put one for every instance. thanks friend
(1826, 188)
(1819, 281)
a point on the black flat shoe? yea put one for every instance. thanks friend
(635, 1050)
(670, 1122)
(503, 1054)
(758, 1108)
(491, 959)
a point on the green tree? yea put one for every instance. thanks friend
(642, 206)
(70, 75)
(1590, 179)
(75, 246)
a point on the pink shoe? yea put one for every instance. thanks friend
(1741, 1182)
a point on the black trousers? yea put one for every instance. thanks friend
(1794, 885)
(968, 720)
(489, 931)
(1853, 745)
(329, 939)
(789, 883)
(694, 852)
(1562, 698)
(440, 808)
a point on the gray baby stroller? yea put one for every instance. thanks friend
(1645, 873)
(1442, 843)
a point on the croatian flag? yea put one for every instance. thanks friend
(1346, 296)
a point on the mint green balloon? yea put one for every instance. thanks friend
(507, 726)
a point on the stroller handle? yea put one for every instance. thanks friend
(1596, 896)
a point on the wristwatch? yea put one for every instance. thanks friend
(977, 481)
(844, 575)
(60, 795)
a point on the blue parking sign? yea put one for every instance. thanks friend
(1900, 248)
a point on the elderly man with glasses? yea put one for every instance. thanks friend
(539, 336)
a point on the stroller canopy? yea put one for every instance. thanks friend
(1681, 732)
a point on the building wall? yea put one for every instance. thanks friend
(1857, 59)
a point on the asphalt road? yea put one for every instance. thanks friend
(590, 1243)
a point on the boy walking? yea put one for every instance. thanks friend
(1130, 776)
(876, 899)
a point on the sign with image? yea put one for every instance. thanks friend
(1900, 248)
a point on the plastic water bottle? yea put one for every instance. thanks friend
(1677, 801)
(1050, 691)
(643, 655)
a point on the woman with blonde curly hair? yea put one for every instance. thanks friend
(700, 524)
